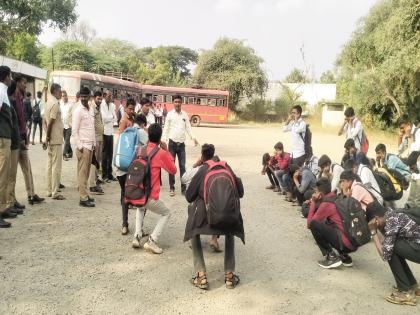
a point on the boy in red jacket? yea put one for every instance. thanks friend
(324, 221)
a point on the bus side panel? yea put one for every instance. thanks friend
(207, 114)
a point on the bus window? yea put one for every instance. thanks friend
(203, 101)
(160, 98)
(220, 103)
(191, 100)
(154, 99)
(184, 100)
(168, 98)
(198, 102)
(212, 102)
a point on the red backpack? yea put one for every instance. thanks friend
(138, 182)
(221, 196)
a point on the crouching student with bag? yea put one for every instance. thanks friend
(325, 223)
(401, 231)
(214, 209)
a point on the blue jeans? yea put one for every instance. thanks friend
(177, 149)
(281, 176)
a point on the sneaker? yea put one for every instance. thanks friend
(331, 261)
(172, 193)
(346, 260)
(152, 247)
(96, 190)
(136, 241)
(276, 189)
(4, 224)
(124, 230)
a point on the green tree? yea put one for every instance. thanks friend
(232, 66)
(327, 77)
(379, 68)
(28, 17)
(296, 76)
(178, 58)
(24, 47)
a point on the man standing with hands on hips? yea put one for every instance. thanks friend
(177, 124)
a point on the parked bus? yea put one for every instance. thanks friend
(201, 105)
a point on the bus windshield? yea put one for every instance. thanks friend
(69, 84)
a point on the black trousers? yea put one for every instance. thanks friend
(299, 160)
(28, 127)
(107, 152)
(273, 180)
(177, 150)
(124, 207)
(327, 237)
(301, 197)
(67, 150)
(35, 124)
(402, 273)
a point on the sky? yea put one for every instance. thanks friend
(278, 30)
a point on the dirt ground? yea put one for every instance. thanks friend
(59, 258)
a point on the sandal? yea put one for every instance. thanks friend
(402, 298)
(200, 281)
(231, 280)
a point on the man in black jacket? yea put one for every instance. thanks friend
(197, 223)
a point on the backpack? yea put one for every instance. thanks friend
(364, 143)
(138, 182)
(353, 219)
(389, 186)
(221, 196)
(307, 140)
(126, 148)
(400, 178)
(36, 112)
(413, 213)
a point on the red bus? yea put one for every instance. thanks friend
(201, 105)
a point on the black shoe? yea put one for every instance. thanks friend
(96, 190)
(112, 178)
(86, 203)
(4, 224)
(346, 260)
(8, 214)
(331, 261)
(99, 182)
(19, 205)
(35, 199)
(61, 186)
(15, 210)
(91, 199)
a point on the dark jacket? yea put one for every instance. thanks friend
(27, 109)
(5, 121)
(15, 136)
(197, 217)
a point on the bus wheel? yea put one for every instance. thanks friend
(195, 121)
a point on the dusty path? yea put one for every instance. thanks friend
(62, 259)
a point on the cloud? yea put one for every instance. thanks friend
(286, 5)
(228, 6)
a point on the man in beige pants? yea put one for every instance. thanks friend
(52, 116)
(83, 134)
(94, 185)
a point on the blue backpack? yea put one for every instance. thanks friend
(126, 148)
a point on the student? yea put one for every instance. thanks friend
(409, 135)
(268, 163)
(27, 110)
(352, 127)
(145, 110)
(108, 119)
(65, 107)
(331, 171)
(297, 126)
(197, 224)
(176, 127)
(281, 167)
(327, 228)
(366, 176)
(351, 188)
(127, 119)
(401, 242)
(391, 161)
(350, 151)
(311, 162)
(304, 182)
(37, 115)
(94, 184)
(413, 161)
(162, 159)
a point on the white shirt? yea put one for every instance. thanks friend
(65, 109)
(137, 108)
(354, 131)
(108, 117)
(298, 130)
(176, 125)
(159, 112)
(150, 119)
(415, 146)
(367, 178)
(336, 171)
(4, 98)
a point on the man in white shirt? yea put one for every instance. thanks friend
(65, 107)
(409, 136)
(297, 126)
(176, 126)
(108, 118)
(352, 127)
(145, 110)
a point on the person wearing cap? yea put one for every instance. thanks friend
(326, 226)
(401, 242)
(83, 134)
(331, 171)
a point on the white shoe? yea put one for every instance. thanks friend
(152, 247)
(136, 241)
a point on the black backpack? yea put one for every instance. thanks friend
(388, 185)
(353, 218)
(221, 197)
(138, 181)
(413, 213)
(404, 183)
(36, 112)
(307, 140)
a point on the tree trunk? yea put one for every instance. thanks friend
(393, 100)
